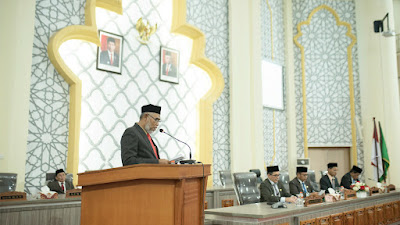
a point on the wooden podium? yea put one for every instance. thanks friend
(144, 194)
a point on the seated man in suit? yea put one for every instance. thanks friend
(60, 185)
(137, 146)
(300, 183)
(351, 177)
(330, 180)
(272, 189)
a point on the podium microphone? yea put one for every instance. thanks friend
(189, 161)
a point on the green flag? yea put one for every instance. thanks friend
(385, 156)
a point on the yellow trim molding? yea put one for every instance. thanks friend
(204, 136)
(272, 58)
(273, 131)
(272, 36)
(350, 74)
(89, 32)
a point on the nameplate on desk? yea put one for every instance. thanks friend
(374, 190)
(311, 200)
(13, 196)
(349, 194)
(74, 193)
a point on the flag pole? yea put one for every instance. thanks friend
(376, 150)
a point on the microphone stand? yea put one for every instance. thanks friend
(187, 161)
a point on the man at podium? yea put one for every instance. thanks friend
(137, 146)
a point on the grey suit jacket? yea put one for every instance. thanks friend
(346, 181)
(268, 194)
(295, 187)
(136, 147)
(325, 183)
(54, 186)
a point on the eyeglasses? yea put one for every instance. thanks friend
(155, 119)
(276, 175)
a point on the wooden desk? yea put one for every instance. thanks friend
(68, 211)
(263, 214)
(144, 194)
(41, 212)
(215, 195)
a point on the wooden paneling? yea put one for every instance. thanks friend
(348, 218)
(370, 215)
(325, 220)
(380, 218)
(44, 212)
(359, 217)
(337, 219)
(150, 198)
(396, 212)
(389, 214)
(308, 222)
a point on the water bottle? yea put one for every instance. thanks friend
(341, 192)
(300, 201)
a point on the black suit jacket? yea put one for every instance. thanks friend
(295, 187)
(105, 58)
(136, 147)
(268, 193)
(171, 72)
(346, 181)
(325, 183)
(54, 186)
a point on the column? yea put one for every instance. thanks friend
(246, 121)
(16, 42)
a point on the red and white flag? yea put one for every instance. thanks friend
(376, 155)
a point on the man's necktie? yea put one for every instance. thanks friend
(111, 59)
(62, 186)
(152, 145)
(166, 73)
(333, 183)
(276, 190)
(304, 188)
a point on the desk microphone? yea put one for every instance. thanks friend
(189, 161)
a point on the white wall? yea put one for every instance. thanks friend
(16, 25)
(246, 136)
(396, 14)
(379, 86)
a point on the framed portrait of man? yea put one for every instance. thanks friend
(109, 54)
(169, 64)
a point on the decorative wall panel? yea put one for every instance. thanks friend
(327, 78)
(49, 98)
(111, 102)
(212, 18)
(273, 49)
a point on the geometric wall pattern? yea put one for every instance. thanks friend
(110, 102)
(274, 51)
(326, 71)
(49, 94)
(211, 17)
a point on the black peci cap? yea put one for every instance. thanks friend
(151, 108)
(301, 169)
(271, 169)
(331, 165)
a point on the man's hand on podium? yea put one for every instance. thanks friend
(163, 161)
